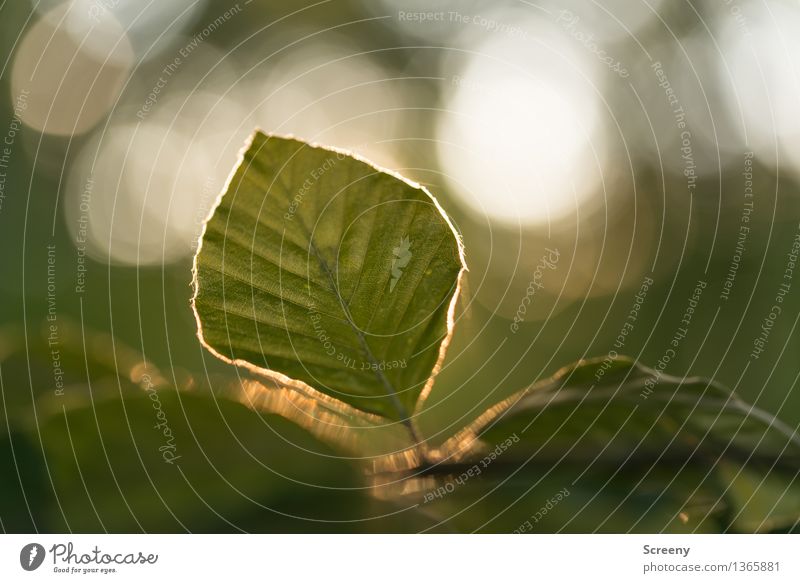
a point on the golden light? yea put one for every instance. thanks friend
(70, 68)
(520, 126)
(762, 54)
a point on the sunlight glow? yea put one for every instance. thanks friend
(71, 69)
(763, 54)
(518, 129)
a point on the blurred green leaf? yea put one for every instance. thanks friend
(165, 461)
(655, 452)
(514, 496)
(319, 270)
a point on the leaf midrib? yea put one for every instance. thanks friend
(391, 392)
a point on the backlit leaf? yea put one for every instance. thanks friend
(321, 271)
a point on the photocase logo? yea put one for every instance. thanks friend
(402, 255)
(31, 556)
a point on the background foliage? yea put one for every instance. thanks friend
(355, 75)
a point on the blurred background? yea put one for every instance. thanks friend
(638, 146)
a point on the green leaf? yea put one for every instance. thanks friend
(169, 461)
(686, 448)
(512, 496)
(323, 272)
